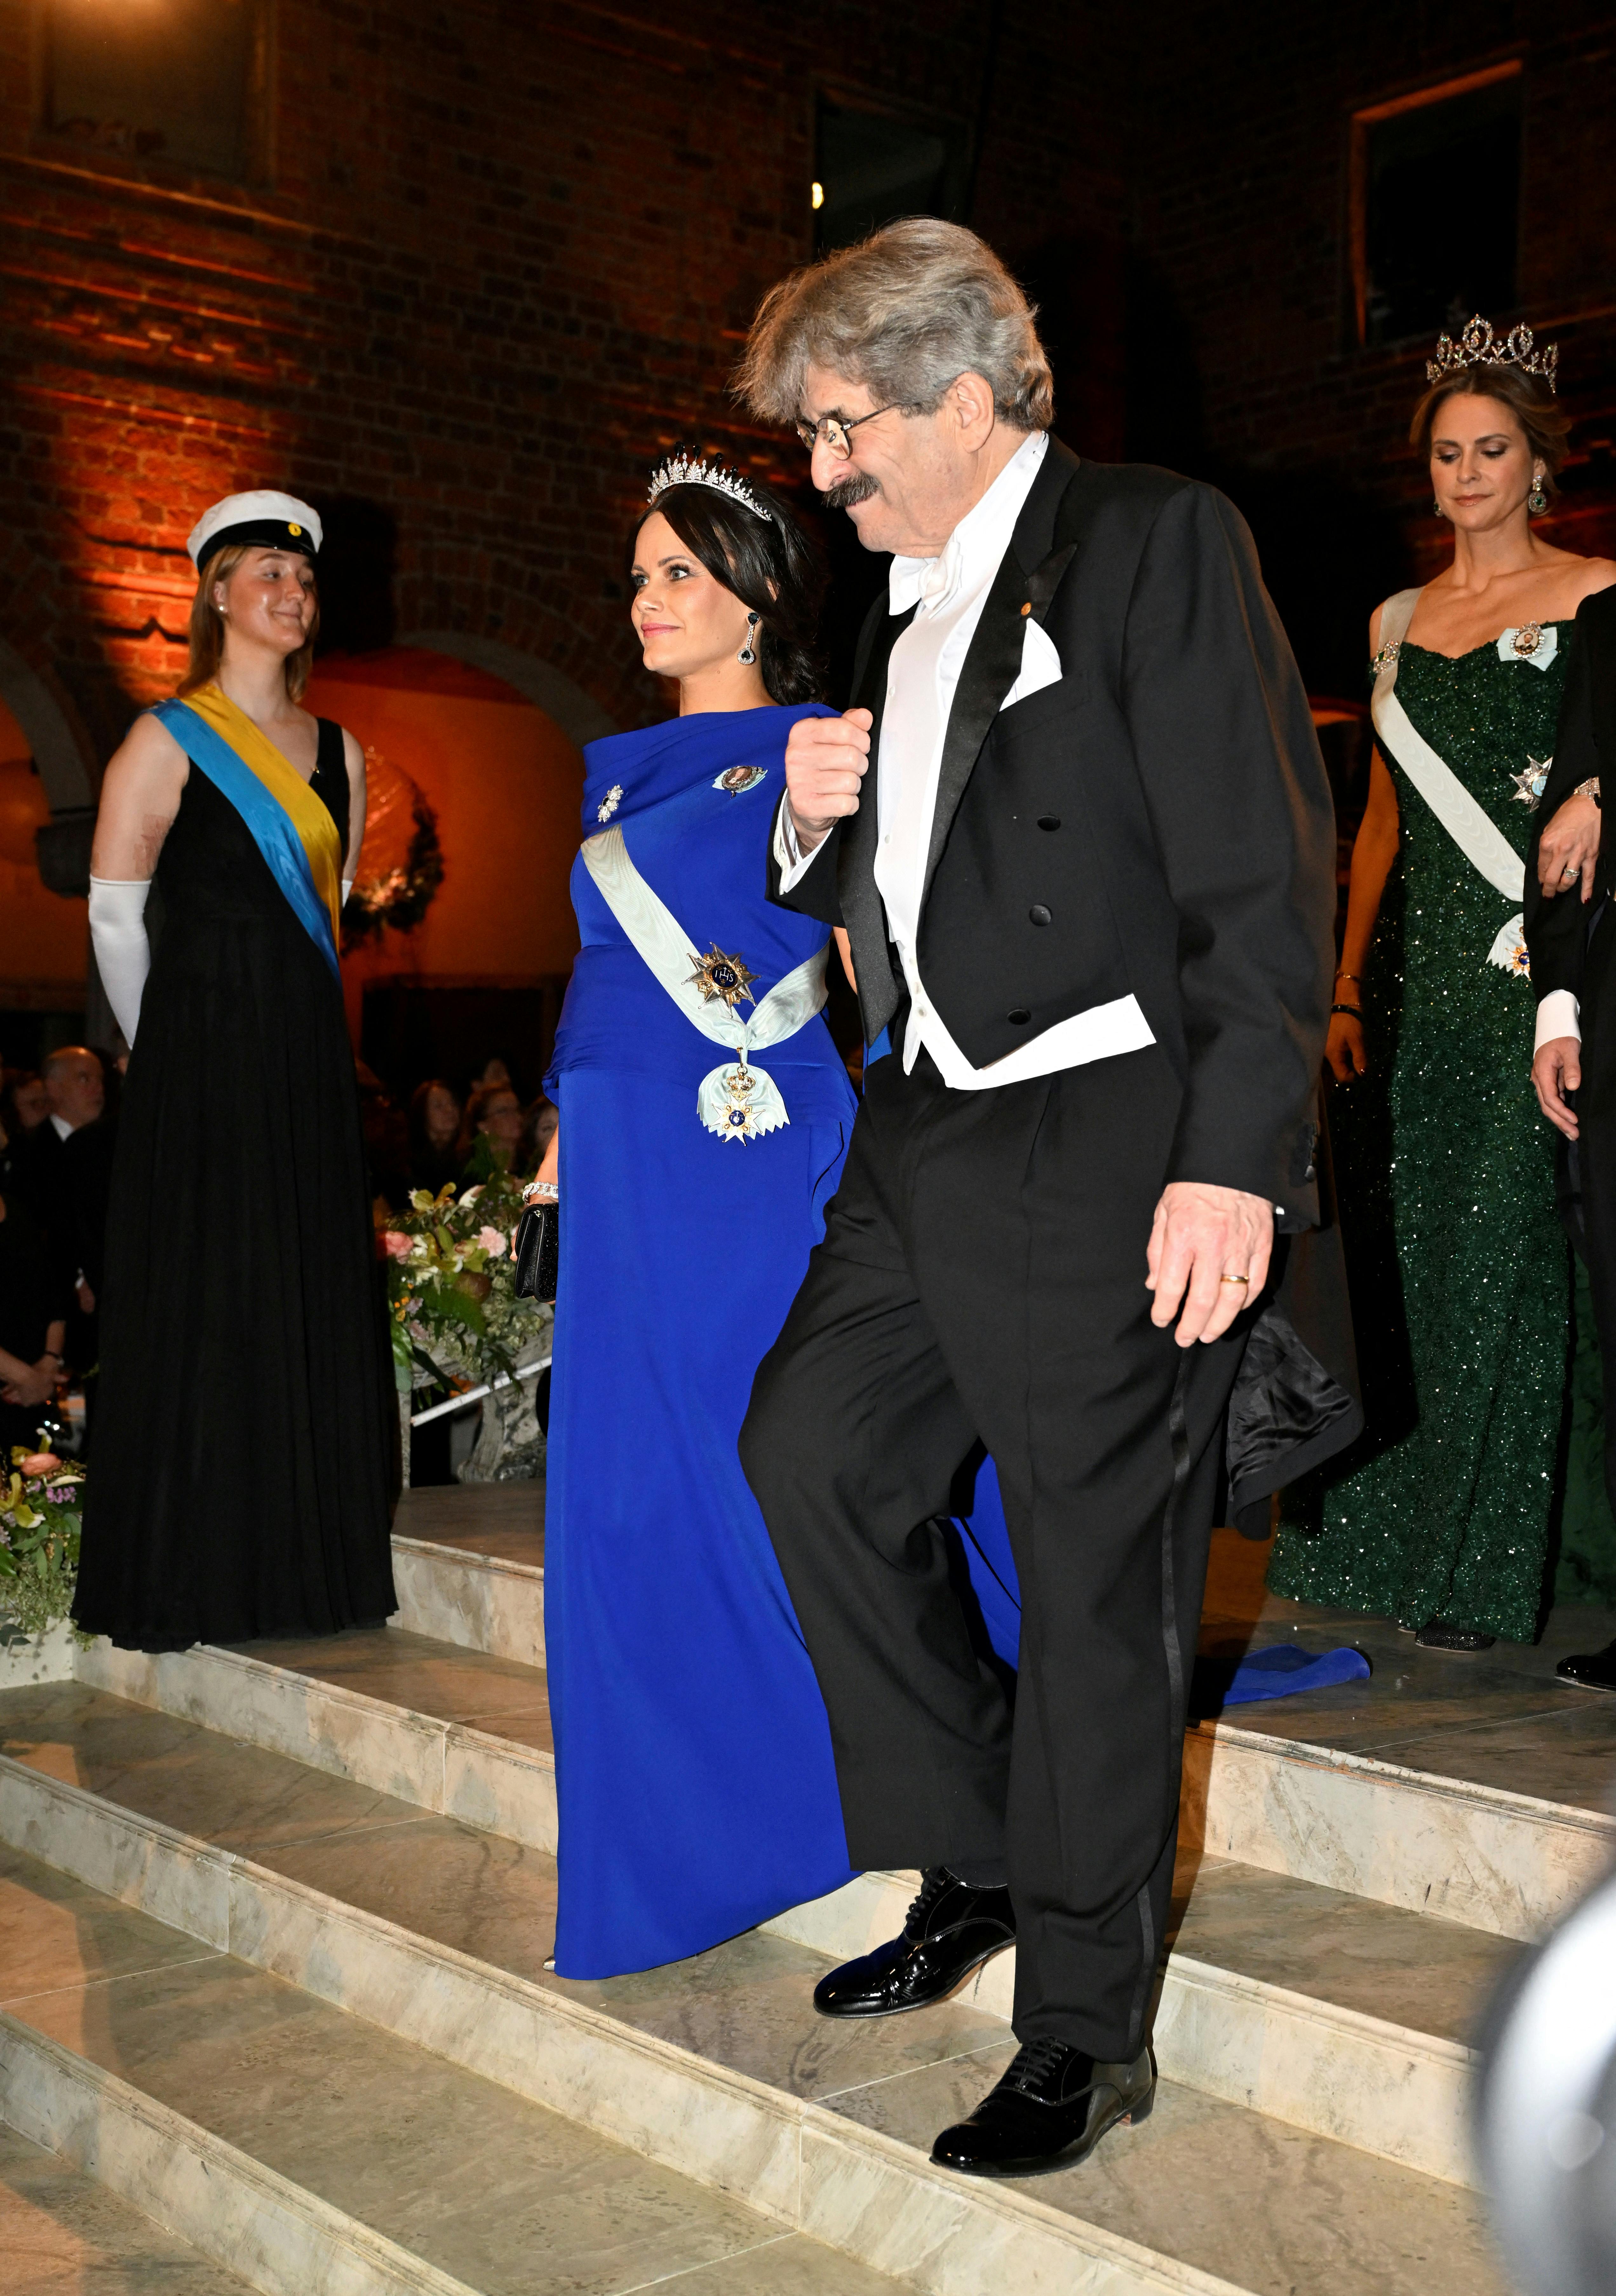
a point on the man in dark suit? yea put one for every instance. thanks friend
(1570, 933)
(61, 1171)
(1080, 833)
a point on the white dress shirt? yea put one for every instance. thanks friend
(1559, 1013)
(949, 592)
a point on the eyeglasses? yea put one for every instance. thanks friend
(837, 431)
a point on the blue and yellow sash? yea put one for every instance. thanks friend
(288, 823)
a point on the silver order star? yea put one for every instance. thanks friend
(1529, 782)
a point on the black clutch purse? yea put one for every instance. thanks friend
(538, 1251)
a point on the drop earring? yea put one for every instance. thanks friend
(1537, 501)
(747, 654)
(1436, 505)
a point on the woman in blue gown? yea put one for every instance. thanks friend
(694, 1776)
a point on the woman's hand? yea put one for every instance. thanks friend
(1343, 1047)
(1569, 848)
(36, 1384)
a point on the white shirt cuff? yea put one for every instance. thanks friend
(794, 863)
(1559, 1015)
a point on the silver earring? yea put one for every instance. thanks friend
(747, 654)
(1537, 501)
(1436, 505)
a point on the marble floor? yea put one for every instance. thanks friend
(1499, 1719)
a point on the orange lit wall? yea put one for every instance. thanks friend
(43, 938)
(505, 784)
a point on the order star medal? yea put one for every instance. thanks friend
(1530, 782)
(724, 978)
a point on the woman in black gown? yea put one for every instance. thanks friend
(244, 1439)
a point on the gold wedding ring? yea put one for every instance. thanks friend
(1234, 1279)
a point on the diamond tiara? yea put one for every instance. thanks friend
(681, 469)
(1478, 346)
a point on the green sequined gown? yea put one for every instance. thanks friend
(1461, 1272)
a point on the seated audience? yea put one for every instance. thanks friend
(543, 1119)
(495, 1111)
(435, 1114)
(32, 1327)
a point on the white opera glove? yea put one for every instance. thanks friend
(347, 887)
(123, 953)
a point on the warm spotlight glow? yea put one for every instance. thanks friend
(819, 195)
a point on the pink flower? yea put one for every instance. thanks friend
(39, 1463)
(493, 1243)
(395, 1246)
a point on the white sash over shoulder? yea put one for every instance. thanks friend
(739, 1102)
(1472, 828)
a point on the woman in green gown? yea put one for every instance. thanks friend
(1462, 1278)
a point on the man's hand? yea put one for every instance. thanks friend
(827, 760)
(1569, 848)
(1557, 1070)
(1200, 1235)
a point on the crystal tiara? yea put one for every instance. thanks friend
(1478, 346)
(681, 469)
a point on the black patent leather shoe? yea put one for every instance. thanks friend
(1592, 1671)
(1049, 2111)
(1439, 1633)
(950, 1930)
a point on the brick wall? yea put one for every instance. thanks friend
(1243, 363)
(507, 253)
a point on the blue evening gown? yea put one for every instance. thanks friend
(696, 1791)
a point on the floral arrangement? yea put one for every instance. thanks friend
(39, 1503)
(452, 1281)
(393, 898)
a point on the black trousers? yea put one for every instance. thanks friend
(982, 1276)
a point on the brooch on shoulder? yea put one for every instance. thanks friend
(610, 802)
(741, 778)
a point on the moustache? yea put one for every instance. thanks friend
(857, 488)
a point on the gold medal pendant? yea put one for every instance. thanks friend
(740, 1103)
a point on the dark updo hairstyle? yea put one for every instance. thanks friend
(1528, 397)
(770, 565)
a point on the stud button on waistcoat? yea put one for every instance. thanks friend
(1038, 915)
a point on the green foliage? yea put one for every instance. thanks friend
(39, 1527)
(451, 1278)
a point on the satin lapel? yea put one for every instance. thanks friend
(993, 662)
(861, 904)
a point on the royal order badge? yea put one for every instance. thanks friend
(722, 978)
(739, 779)
(738, 1103)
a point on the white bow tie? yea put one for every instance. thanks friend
(928, 583)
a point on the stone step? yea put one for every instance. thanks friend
(469, 1564)
(1443, 1829)
(63, 2234)
(461, 1731)
(314, 2153)
(1335, 2015)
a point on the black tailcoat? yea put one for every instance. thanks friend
(1165, 803)
(1157, 822)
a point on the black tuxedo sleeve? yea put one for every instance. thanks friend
(1244, 821)
(1556, 928)
(814, 893)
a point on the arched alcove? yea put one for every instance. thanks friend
(58, 744)
(490, 739)
(581, 718)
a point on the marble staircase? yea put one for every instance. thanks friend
(338, 1857)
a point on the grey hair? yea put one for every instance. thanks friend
(905, 312)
